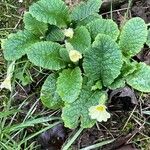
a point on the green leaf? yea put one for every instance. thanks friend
(103, 61)
(69, 84)
(118, 83)
(34, 26)
(49, 96)
(23, 76)
(17, 44)
(78, 111)
(54, 12)
(133, 36)
(55, 34)
(64, 54)
(140, 79)
(148, 38)
(128, 68)
(89, 19)
(46, 55)
(103, 26)
(81, 39)
(85, 9)
(98, 86)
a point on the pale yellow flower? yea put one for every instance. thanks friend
(74, 55)
(7, 82)
(69, 32)
(99, 113)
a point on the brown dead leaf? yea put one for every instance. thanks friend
(52, 139)
(123, 98)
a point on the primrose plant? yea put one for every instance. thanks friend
(86, 56)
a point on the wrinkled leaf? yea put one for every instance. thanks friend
(85, 9)
(133, 36)
(89, 19)
(64, 54)
(69, 84)
(46, 55)
(34, 26)
(103, 61)
(54, 12)
(55, 34)
(81, 39)
(17, 44)
(140, 79)
(103, 26)
(49, 96)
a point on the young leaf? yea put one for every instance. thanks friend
(55, 34)
(103, 61)
(17, 44)
(46, 55)
(140, 79)
(69, 84)
(118, 83)
(78, 111)
(103, 26)
(133, 36)
(54, 12)
(98, 86)
(85, 9)
(128, 68)
(148, 38)
(81, 39)
(49, 96)
(34, 26)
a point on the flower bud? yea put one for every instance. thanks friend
(7, 82)
(75, 55)
(68, 32)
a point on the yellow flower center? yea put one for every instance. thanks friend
(100, 108)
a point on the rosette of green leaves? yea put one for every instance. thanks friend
(106, 55)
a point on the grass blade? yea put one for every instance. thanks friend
(98, 145)
(70, 142)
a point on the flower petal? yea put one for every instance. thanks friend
(103, 117)
(99, 113)
(94, 115)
